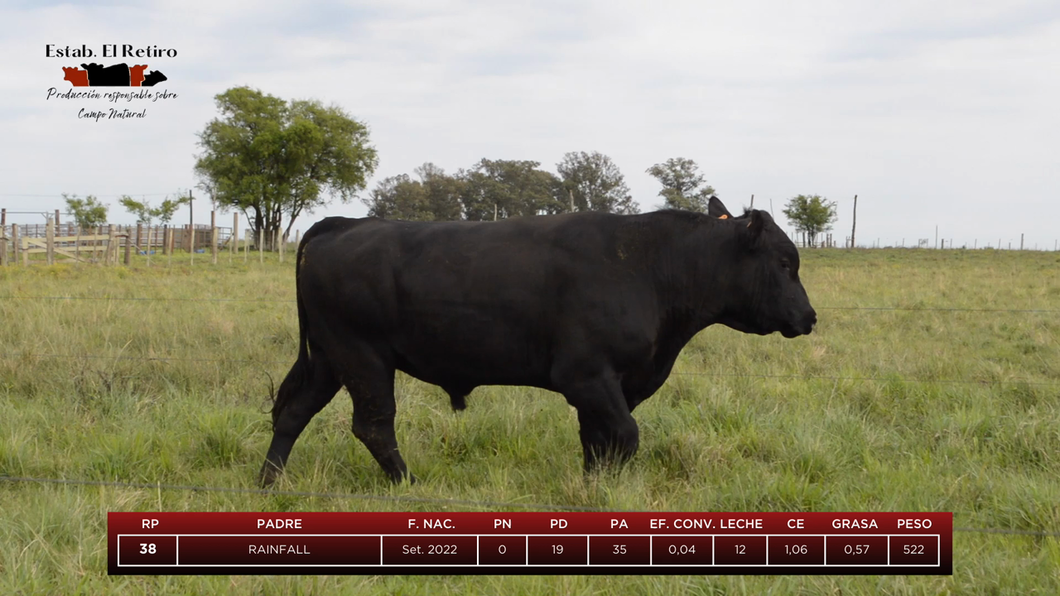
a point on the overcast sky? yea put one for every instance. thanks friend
(934, 113)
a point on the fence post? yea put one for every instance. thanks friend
(128, 245)
(16, 245)
(235, 236)
(261, 245)
(3, 245)
(213, 235)
(110, 244)
(49, 238)
(191, 228)
(280, 240)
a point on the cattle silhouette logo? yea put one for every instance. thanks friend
(115, 75)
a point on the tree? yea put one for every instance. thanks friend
(142, 210)
(503, 189)
(811, 214)
(165, 211)
(443, 192)
(88, 212)
(683, 186)
(270, 158)
(434, 197)
(594, 183)
(399, 197)
(145, 213)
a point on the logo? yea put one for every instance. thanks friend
(88, 82)
(116, 75)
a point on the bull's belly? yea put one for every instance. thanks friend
(485, 360)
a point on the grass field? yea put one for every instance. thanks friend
(917, 408)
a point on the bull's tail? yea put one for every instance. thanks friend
(299, 374)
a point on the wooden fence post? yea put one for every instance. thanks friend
(165, 239)
(3, 245)
(110, 246)
(191, 228)
(261, 245)
(128, 245)
(280, 242)
(213, 236)
(16, 245)
(235, 236)
(49, 237)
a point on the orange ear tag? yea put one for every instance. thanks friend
(723, 217)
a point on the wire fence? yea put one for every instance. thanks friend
(401, 500)
(292, 301)
(832, 378)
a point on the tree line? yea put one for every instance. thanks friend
(499, 189)
(275, 160)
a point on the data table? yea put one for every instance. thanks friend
(184, 543)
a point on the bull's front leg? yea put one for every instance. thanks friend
(609, 433)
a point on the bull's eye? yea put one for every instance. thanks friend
(786, 264)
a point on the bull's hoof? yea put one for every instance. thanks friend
(401, 478)
(268, 475)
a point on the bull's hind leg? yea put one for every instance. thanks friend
(305, 391)
(371, 388)
(609, 433)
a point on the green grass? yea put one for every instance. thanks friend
(878, 410)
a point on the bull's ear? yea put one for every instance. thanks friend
(757, 223)
(715, 208)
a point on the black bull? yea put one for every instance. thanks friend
(593, 306)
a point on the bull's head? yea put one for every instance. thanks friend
(766, 293)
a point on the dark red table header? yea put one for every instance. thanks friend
(523, 522)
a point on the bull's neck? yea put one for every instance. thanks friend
(690, 284)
